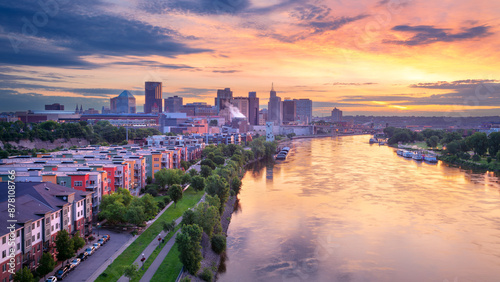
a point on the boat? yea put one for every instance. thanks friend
(283, 154)
(373, 140)
(400, 152)
(417, 157)
(430, 158)
(408, 154)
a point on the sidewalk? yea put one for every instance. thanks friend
(161, 256)
(103, 267)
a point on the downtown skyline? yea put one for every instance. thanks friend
(365, 57)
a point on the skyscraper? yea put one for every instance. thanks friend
(173, 104)
(289, 110)
(224, 97)
(242, 104)
(253, 108)
(123, 103)
(336, 115)
(274, 108)
(304, 110)
(153, 97)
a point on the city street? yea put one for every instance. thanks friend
(93, 262)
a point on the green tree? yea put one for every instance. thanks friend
(198, 183)
(494, 143)
(478, 142)
(64, 245)
(213, 201)
(218, 243)
(209, 163)
(135, 214)
(173, 177)
(185, 165)
(175, 193)
(236, 185)
(161, 178)
(453, 148)
(188, 218)
(218, 160)
(185, 178)
(47, 264)
(205, 171)
(432, 141)
(78, 242)
(207, 217)
(193, 172)
(150, 206)
(24, 275)
(131, 271)
(168, 226)
(217, 185)
(188, 243)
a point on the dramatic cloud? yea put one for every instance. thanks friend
(351, 83)
(155, 64)
(14, 101)
(62, 37)
(466, 83)
(190, 92)
(427, 34)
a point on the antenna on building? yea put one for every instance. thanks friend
(272, 86)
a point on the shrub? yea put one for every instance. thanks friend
(161, 205)
(219, 243)
(489, 159)
(166, 200)
(206, 274)
(476, 158)
(91, 238)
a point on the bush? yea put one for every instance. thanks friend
(91, 238)
(166, 200)
(206, 274)
(152, 191)
(161, 205)
(219, 243)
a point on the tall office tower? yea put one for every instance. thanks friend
(153, 97)
(242, 104)
(253, 108)
(289, 111)
(224, 97)
(173, 104)
(274, 108)
(54, 107)
(123, 103)
(304, 110)
(336, 115)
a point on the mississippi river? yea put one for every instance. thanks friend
(340, 209)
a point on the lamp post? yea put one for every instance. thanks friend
(98, 225)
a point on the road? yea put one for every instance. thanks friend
(87, 267)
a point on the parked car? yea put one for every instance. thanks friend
(62, 272)
(90, 250)
(101, 242)
(51, 279)
(106, 237)
(97, 245)
(83, 256)
(75, 262)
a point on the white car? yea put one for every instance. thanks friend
(51, 279)
(76, 262)
(97, 245)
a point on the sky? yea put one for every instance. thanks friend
(381, 57)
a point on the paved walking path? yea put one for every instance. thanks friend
(152, 246)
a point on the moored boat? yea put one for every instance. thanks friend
(417, 157)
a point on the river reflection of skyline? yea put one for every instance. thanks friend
(339, 209)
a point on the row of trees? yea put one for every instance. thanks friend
(66, 246)
(122, 207)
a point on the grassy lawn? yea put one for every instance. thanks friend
(153, 256)
(115, 269)
(422, 145)
(170, 267)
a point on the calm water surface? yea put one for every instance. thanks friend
(339, 209)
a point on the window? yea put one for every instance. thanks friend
(92, 182)
(157, 165)
(38, 248)
(63, 183)
(156, 159)
(33, 238)
(17, 233)
(33, 226)
(4, 268)
(78, 183)
(4, 253)
(18, 246)
(52, 228)
(57, 225)
(4, 239)
(38, 224)
(52, 217)
(38, 235)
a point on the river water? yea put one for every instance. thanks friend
(340, 209)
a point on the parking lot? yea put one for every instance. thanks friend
(86, 268)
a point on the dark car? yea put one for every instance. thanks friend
(83, 256)
(62, 272)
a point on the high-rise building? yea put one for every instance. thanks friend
(253, 108)
(123, 103)
(173, 104)
(153, 97)
(274, 108)
(54, 107)
(289, 111)
(304, 110)
(336, 115)
(242, 104)
(224, 97)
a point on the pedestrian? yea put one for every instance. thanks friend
(163, 240)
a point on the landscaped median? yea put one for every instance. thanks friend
(116, 269)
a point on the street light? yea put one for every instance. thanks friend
(98, 225)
